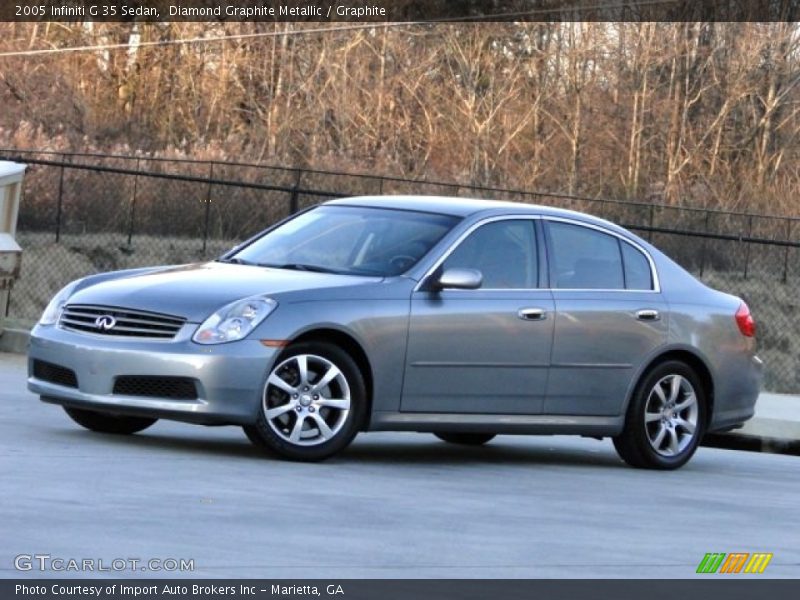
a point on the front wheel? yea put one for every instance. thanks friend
(108, 423)
(665, 420)
(313, 403)
(464, 439)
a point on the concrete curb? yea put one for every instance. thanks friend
(752, 443)
(14, 340)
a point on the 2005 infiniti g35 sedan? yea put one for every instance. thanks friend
(462, 318)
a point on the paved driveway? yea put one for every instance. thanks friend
(393, 505)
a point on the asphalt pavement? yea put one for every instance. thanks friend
(393, 505)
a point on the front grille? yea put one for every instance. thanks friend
(178, 388)
(119, 322)
(54, 374)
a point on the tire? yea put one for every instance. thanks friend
(108, 423)
(464, 439)
(313, 416)
(665, 420)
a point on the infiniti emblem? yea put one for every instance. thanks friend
(105, 322)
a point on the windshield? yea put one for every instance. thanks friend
(349, 240)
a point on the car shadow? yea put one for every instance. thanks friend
(414, 451)
(167, 441)
(498, 451)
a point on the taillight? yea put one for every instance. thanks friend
(745, 321)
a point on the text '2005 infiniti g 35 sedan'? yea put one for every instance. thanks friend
(463, 318)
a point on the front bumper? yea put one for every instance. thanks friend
(228, 377)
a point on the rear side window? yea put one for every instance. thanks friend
(584, 258)
(638, 275)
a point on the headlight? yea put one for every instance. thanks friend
(234, 321)
(53, 310)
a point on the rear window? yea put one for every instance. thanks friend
(586, 259)
(638, 275)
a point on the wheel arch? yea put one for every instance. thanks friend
(694, 361)
(349, 344)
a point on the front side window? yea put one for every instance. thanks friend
(349, 240)
(588, 259)
(503, 251)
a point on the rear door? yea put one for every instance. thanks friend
(610, 315)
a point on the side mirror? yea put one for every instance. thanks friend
(458, 279)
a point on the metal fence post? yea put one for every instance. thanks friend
(786, 254)
(132, 212)
(747, 247)
(703, 247)
(60, 199)
(208, 205)
(294, 199)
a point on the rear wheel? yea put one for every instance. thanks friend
(313, 403)
(464, 439)
(665, 420)
(108, 423)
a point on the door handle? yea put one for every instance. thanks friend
(532, 314)
(648, 314)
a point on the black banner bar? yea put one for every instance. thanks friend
(727, 588)
(398, 10)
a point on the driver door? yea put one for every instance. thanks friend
(484, 350)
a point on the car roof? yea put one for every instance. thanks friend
(466, 207)
(457, 207)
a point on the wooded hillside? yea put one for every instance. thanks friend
(704, 114)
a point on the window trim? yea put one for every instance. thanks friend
(543, 242)
(655, 282)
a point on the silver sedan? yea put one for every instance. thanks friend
(462, 318)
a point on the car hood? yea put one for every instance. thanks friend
(196, 291)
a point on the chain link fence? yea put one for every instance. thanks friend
(85, 213)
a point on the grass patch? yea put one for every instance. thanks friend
(47, 266)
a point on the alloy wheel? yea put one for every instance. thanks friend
(306, 400)
(671, 415)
